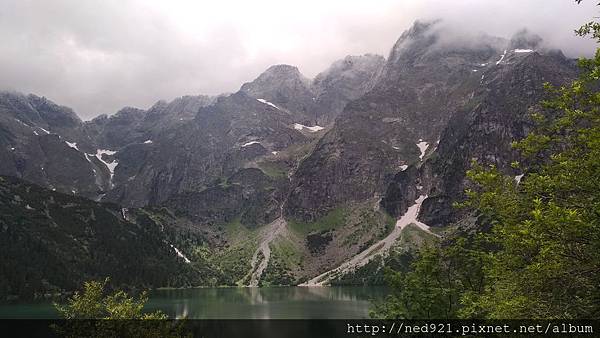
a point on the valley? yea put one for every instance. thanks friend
(288, 181)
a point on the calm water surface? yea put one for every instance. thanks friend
(339, 302)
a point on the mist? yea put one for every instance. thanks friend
(98, 56)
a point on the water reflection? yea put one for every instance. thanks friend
(267, 303)
(344, 302)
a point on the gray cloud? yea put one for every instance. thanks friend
(100, 55)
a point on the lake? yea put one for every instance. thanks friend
(336, 302)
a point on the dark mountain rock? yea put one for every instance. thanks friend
(44, 143)
(118, 130)
(287, 88)
(498, 114)
(422, 83)
(132, 125)
(344, 81)
(248, 194)
(483, 129)
(394, 130)
(222, 138)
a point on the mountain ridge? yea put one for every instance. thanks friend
(332, 161)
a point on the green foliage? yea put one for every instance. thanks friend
(93, 303)
(539, 256)
(94, 313)
(52, 242)
(275, 170)
(547, 230)
(433, 285)
(333, 220)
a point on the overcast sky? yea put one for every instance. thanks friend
(97, 56)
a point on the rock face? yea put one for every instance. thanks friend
(45, 143)
(496, 114)
(320, 101)
(344, 81)
(248, 194)
(284, 86)
(222, 138)
(423, 82)
(337, 157)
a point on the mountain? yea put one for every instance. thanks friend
(52, 242)
(291, 180)
(435, 107)
(132, 125)
(344, 81)
(422, 83)
(286, 87)
(45, 143)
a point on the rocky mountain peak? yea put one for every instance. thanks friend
(417, 38)
(276, 75)
(351, 64)
(282, 69)
(345, 80)
(420, 28)
(33, 109)
(284, 86)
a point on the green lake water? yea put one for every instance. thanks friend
(338, 302)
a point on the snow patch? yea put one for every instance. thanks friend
(28, 207)
(35, 133)
(379, 248)
(250, 143)
(148, 142)
(268, 103)
(501, 57)
(180, 254)
(72, 145)
(313, 129)
(110, 165)
(422, 147)
(274, 152)
(44, 130)
(23, 123)
(523, 50)
(403, 167)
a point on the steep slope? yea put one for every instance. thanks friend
(344, 81)
(423, 82)
(285, 87)
(435, 107)
(44, 143)
(289, 178)
(222, 138)
(51, 242)
(498, 114)
(132, 125)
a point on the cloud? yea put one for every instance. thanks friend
(100, 55)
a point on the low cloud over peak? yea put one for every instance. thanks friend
(100, 55)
